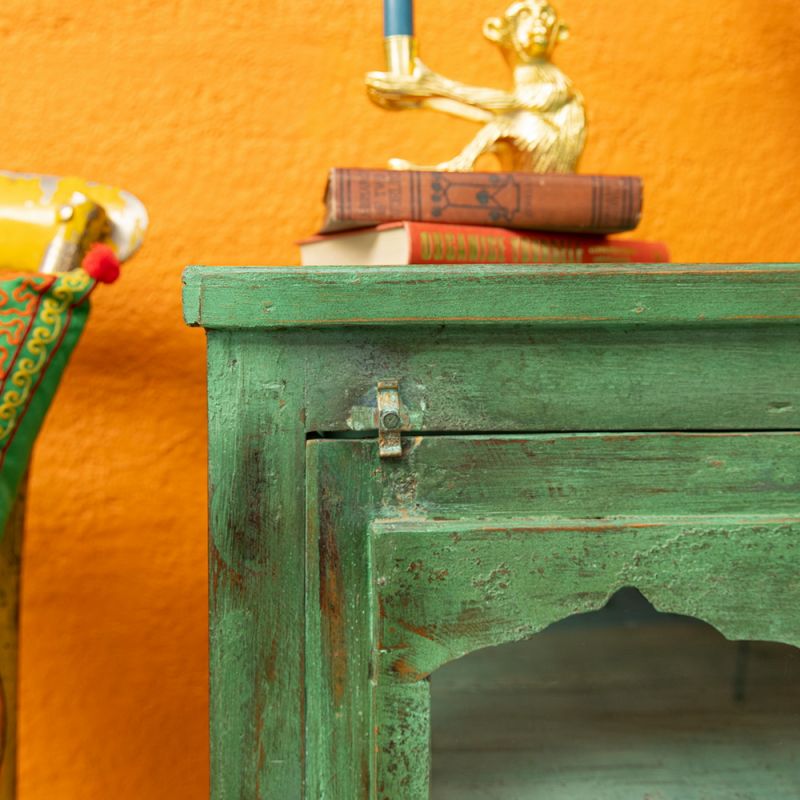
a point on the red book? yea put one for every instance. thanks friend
(594, 204)
(435, 243)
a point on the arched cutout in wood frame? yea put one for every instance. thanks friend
(621, 701)
(536, 579)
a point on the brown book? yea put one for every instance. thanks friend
(599, 204)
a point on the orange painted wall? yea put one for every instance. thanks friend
(224, 117)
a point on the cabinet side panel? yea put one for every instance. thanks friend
(256, 567)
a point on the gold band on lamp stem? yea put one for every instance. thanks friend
(401, 53)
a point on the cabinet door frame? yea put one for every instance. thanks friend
(408, 568)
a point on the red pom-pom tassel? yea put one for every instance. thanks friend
(101, 263)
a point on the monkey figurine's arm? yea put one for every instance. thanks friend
(427, 88)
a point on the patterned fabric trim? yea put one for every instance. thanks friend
(57, 295)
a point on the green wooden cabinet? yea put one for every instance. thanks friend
(563, 432)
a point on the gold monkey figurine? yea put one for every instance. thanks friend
(538, 126)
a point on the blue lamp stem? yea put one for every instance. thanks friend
(398, 18)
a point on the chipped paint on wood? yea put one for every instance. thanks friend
(338, 581)
(492, 295)
(339, 627)
(508, 583)
(477, 540)
(256, 531)
(403, 747)
(531, 379)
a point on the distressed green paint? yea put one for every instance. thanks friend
(256, 563)
(482, 540)
(601, 475)
(534, 376)
(450, 588)
(309, 704)
(403, 761)
(577, 489)
(476, 294)
(339, 628)
(531, 378)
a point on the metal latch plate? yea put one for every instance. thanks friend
(390, 419)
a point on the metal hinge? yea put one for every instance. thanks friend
(391, 419)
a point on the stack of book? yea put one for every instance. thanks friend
(404, 217)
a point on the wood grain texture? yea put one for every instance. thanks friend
(643, 347)
(472, 562)
(365, 740)
(339, 581)
(650, 294)
(481, 540)
(452, 588)
(256, 560)
(403, 751)
(590, 475)
(339, 627)
(618, 378)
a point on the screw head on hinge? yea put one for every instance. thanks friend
(391, 420)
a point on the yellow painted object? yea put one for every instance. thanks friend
(48, 223)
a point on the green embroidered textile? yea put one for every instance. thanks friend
(41, 320)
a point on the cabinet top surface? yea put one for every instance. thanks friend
(496, 294)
